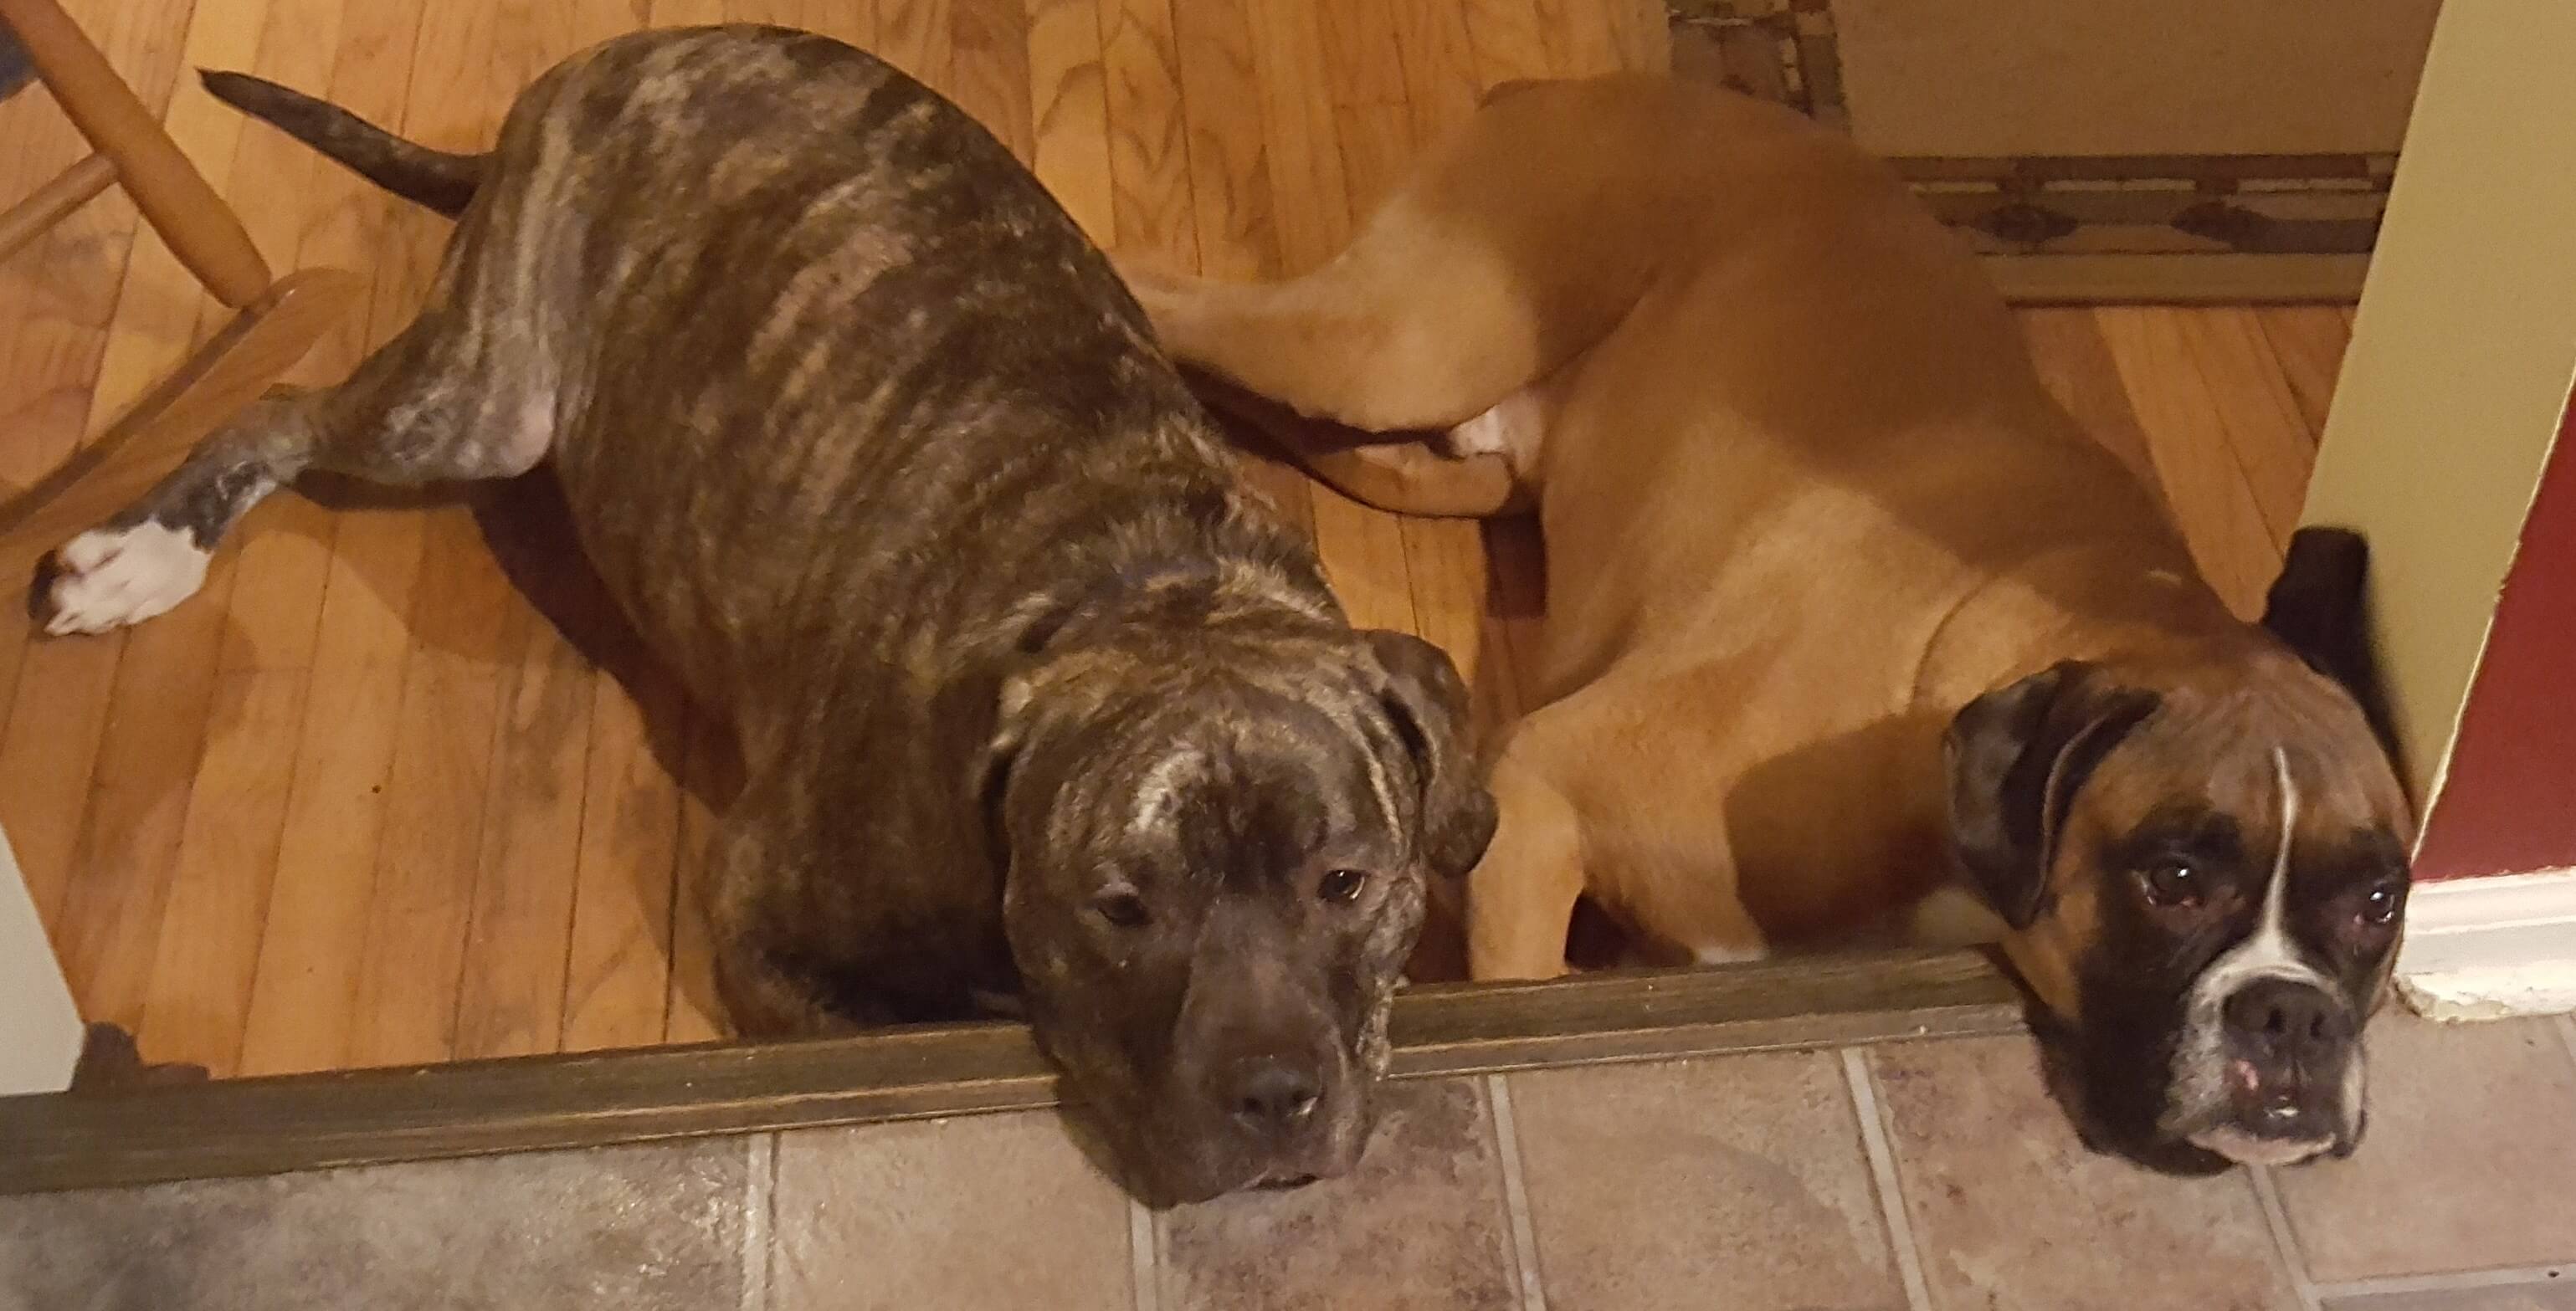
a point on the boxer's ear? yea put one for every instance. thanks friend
(1427, 703)
(2015, 758)
(2320, 608)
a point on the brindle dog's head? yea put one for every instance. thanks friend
(1215, 870)
(2201, 856)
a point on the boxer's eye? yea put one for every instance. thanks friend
(1122, 907)
(2379, 909)
(2171, 883)
(1341, 886)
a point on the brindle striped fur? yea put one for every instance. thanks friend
(879, 454)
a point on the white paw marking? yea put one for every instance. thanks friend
(1488, 433)
(1513, 429)
(114, 576)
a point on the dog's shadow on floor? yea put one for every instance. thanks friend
(528, 528)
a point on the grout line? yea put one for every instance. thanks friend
(2508, 1277)
(759, 1219)
(2285, 1242)
(1507, 1146)
(1145, 1272)
(1874, 1141)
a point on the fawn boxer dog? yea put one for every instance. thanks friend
(1840, 602)
(878, 454)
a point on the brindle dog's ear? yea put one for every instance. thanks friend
(2320, 608)
(1428, 702)
(2016, 758)
(993, 768)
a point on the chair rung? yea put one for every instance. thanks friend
(37, 214)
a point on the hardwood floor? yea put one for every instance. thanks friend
(395, 790)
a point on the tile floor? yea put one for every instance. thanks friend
(1932, 1176)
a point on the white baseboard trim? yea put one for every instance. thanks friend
(2491, 948)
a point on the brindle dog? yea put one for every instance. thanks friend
(877, 453)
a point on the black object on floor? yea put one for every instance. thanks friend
(15, 71)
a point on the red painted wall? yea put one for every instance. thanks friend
(2508, 804)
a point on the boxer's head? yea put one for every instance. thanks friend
(1216, 868)
(2201, 857)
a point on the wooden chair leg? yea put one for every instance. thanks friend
(174, 198)
(242, 361)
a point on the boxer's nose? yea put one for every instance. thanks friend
(2291, 1021)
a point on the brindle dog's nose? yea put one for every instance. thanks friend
(1274, 1097)
(2291, 1021)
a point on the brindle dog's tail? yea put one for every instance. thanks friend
(436, 179)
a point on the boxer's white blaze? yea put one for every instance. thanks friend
(2269, 952)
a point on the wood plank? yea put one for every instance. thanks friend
(1516, 570)
(1069, 99)
(913, 35)
(1228, 161)
(2178, 411)
(1361, 64)
(990, 70)
(2309, 341)
(108, 929)
(1310, 200)
(517, 952)
(148, 1134)
(1582, 36)
(2075, 362)
(617, 977)
(161, 311)
(1509, 41)
(694, 1014)
(2267, 430)
(1441, 84)
(305, 1003)
(209, 942)
(65, 688)
(853, 21)
(688, 13)
(463, 622)
(50, 755)
(1641, 32)
(303, 997)
(65, 291)
(284, 546)
(1149, 162)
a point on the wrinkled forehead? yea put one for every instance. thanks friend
(2232, 792)
(1195, 783)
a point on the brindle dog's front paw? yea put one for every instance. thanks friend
(110, 577)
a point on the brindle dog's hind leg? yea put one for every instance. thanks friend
(406, 416)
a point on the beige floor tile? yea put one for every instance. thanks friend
(1420, 1226)
(651, 1228)
(994, 1212)
(2467, 1162)
(1736, 1183)
(2011, 1213)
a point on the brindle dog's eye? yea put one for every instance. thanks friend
(2379, 909)
(2171, 884)
(1342, 886)
(1123, 908)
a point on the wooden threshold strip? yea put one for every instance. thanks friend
(149, 1134)
(2222, 278)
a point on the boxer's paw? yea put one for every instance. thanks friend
(109, 577)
